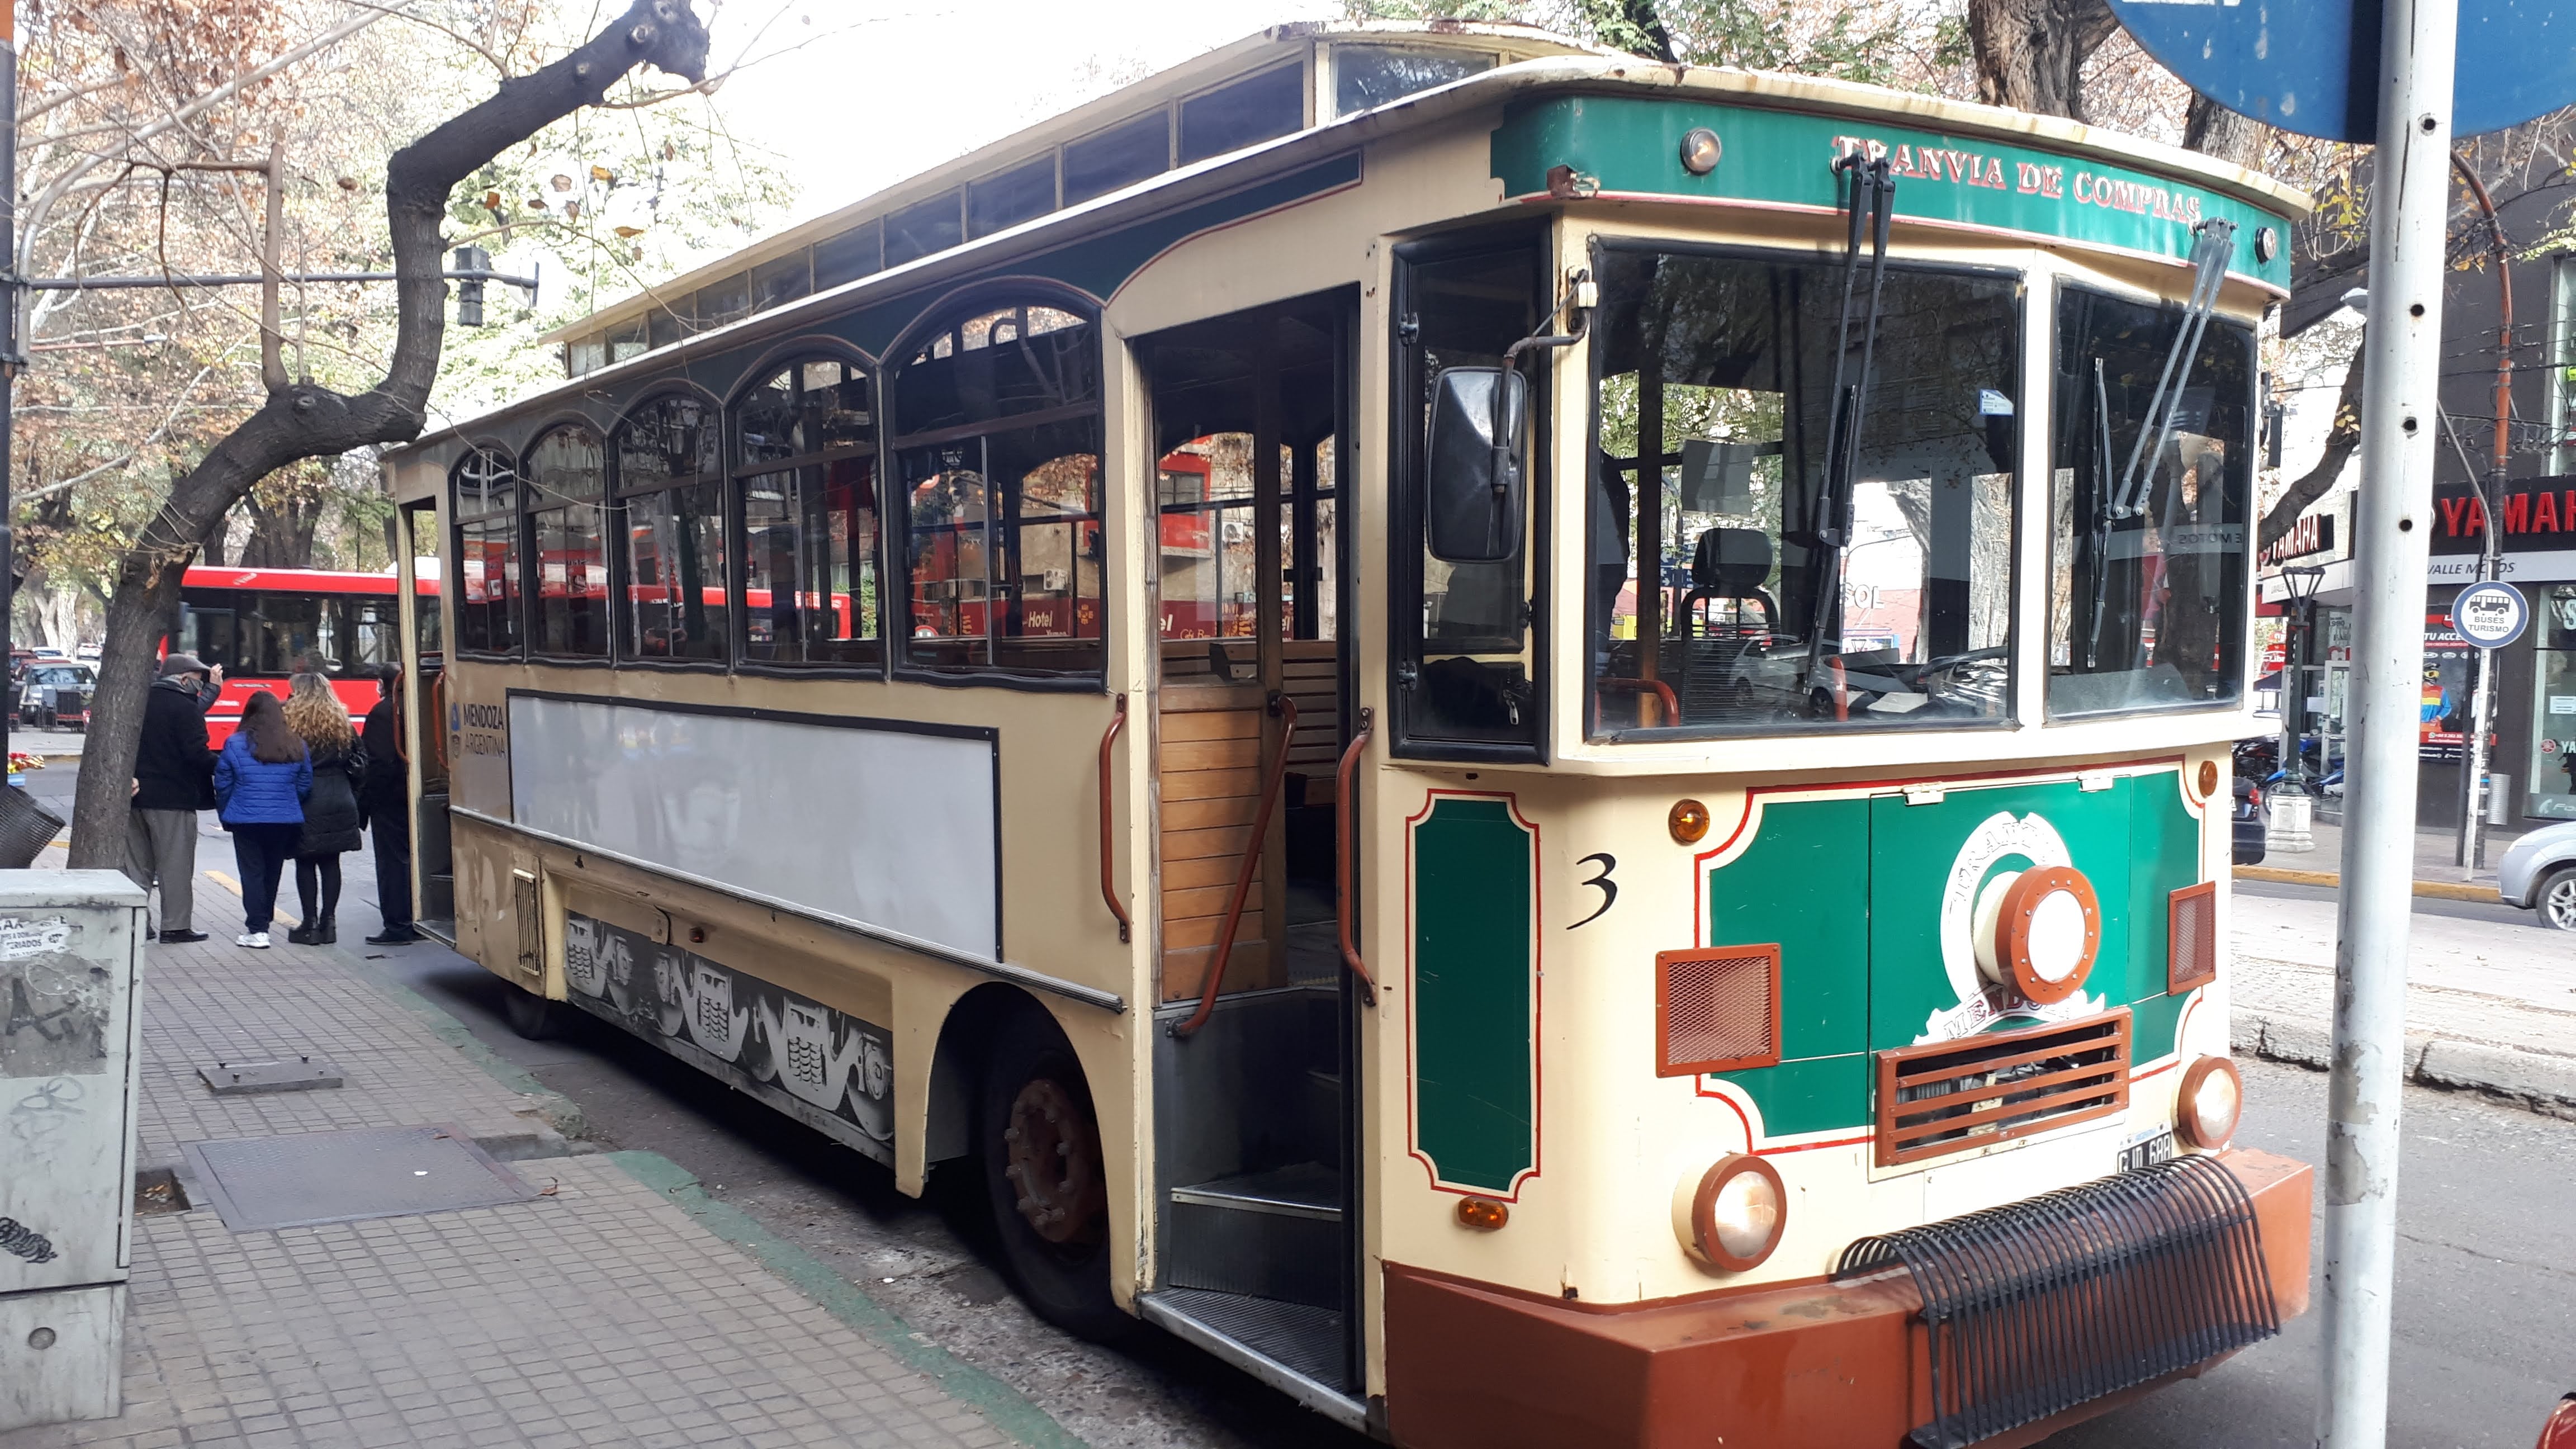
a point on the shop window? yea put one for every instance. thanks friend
(998, 203)
(805, 470)
(486, 511)
(1742, 582)
(2149, 545)
(1365, 76)
(997, 464)
(1256, 109)
(2552, 768)
(567, 533)
(1118, 157)
(670, 501)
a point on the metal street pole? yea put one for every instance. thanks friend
(2472, 854)
(2392, 534)
(10, 351)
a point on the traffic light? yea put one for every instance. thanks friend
(469, 290)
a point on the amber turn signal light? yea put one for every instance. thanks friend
(2208, 778)
(2210, 1102)
(1688, 821)
(1483, 1213)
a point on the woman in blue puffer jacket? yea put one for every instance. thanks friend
(263, 776)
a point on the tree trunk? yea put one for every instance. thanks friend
(282, 525)
(2213, 130)
(2030, 53)
(2342, 440)
(301, 420)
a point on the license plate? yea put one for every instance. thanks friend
(2158, 1148)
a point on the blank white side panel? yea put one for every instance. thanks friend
(886, 826)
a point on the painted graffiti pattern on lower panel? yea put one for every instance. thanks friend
(824, 1067)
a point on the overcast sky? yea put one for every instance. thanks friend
(891, 88)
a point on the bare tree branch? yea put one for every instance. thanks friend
(2343, 439)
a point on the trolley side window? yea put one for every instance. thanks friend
(805, 477)
(1747, 575)
(486, 486)
(996, 423)
(2151, 492)
(671, 502)
(1465, 653)
(568, 538)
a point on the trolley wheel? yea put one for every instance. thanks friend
(1044, 1175)
(2555, 901)
(531, 1016)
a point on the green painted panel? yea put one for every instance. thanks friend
(1818, 1094)
(1632, 144)
(1797, 884)
(2164, 845)
(1474, 992)
(2152, 1027)
(1914, 852)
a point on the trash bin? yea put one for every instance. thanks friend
(2291, 824)
(71, 949)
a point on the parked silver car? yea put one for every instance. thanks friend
(2539, 874)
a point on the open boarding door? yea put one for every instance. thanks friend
(1254, 1094)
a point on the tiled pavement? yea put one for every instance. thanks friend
(607, 1312)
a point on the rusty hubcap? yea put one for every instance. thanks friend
(1055, 1163)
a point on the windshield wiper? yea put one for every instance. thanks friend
(1873, 186)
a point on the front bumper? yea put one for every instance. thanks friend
(1812, 1365)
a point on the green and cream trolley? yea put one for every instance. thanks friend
(1533, 742)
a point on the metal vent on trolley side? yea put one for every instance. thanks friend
(2036, 1307)
(1716, 1010)
(1981, 1090)
(2191, 942)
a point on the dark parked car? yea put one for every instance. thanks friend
(2248, 823)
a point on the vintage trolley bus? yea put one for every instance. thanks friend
(1533, 742)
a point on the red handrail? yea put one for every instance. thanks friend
(1344, 810)
(1286, 709)
(1108, 884)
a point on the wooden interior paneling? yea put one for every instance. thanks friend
(1211, 745)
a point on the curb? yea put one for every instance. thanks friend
(2533, 1080)
(1005, 1407)
(2436, 889)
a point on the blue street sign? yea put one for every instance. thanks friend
(2313, 68)
(2490, 615)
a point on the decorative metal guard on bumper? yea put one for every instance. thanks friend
(2035, 1307)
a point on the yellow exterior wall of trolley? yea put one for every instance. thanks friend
(1595, 1219)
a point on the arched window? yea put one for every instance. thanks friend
(670, 487)
(567, 476)
(486, 515)
(997, 463)
(805, 470)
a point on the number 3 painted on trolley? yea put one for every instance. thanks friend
(1609, 888)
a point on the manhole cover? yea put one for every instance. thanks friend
(243, 1079)
(339, 1177)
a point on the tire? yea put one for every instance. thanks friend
(531, 1016)
(2555, 901)
(1033, 1095)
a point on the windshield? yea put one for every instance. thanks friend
(62, 676)
(2148, 556)
(1747, 584)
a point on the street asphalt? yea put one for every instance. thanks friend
(2486, 1315)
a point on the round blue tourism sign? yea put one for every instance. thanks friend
(2490, 615)
(2314, 68)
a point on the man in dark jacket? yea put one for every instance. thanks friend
(384, 796)
(174, 778)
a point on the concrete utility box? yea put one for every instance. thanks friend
(71, 951)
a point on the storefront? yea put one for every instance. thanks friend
(2533, 719)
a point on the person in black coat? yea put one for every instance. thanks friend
(385, 796)
(331, 818)
(174, 778)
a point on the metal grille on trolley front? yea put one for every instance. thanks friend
(1716, 1010)
(2191, 937)
(1981, 1090)
(2035, 1307)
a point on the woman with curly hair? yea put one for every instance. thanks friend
(331, 818)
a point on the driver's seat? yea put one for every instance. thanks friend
(1728, 566)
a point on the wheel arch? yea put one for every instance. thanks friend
(948, 1129)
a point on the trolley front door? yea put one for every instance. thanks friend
(1254, 1092)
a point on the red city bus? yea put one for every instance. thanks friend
(261, 625)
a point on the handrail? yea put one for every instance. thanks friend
(1672, 706)
(1286, 709)
(1108, 884)
(1344, 809)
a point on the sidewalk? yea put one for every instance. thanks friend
(2435, 874)
(618, 1305)
(2490, 1005)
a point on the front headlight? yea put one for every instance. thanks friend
(2210, 1103)
(1735, 1213)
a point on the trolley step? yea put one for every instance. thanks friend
(1307, 1190)
(1301, 1350)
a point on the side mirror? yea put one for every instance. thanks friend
(1472, 488)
